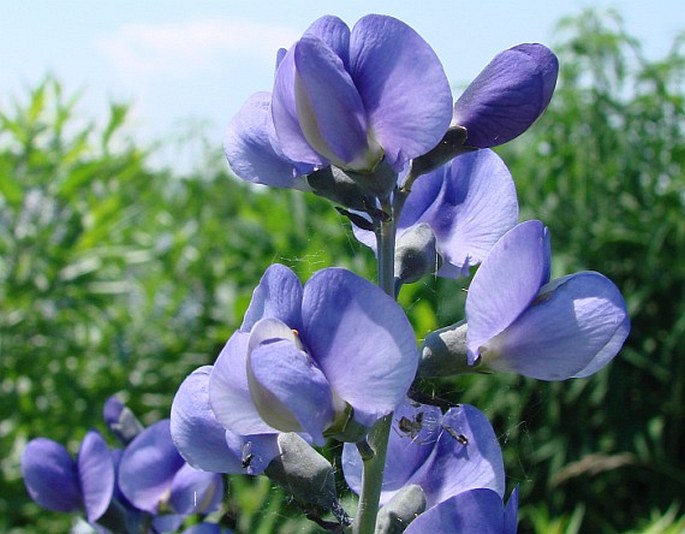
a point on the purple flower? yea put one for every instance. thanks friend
(477, 510)
(252, 148)
(152, 472)
(507, 96)
(469, 203)
(306, 359)
(219, 450)
(58, 482)
(120, 420)
(519, 321)
(347, 98)
(445, 455)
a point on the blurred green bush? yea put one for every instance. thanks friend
(116, 277)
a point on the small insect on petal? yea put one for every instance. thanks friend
(248, 455)
(411, 427)
(461, 438)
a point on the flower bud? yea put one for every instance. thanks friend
(443, 352)
(334, 184)
(303, 472)
(401, 510)
(416, 254)
(120, 420)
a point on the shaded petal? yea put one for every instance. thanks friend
(508, 95)
(207, 528)
(403, 86)
(270, 330)
(466, 456)
(96, 473)
(413, 435)
(329, 108)
(511, 512)
(51, 476)
(194, 491)
(278, 296)
(478, 510)
(257, 450)
(117, 495)
(335, 33)
(249, 148)
(229, 393)
(290, 392)
(415, 430)
(474, 203)
(575, 326)
(111, 412)
(192, 416)
(291, 139)
(361, 340)
(148, 466)
(424, 194)
(506, 283)
(167, 522)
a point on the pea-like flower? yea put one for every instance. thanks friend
(349, 98)
(121, 489)
(313, 360)
(58, 482)
(444, 455)
(468, 204)
(509, 94)
(520, 321)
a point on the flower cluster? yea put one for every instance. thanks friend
(365, 117)
(145, 484)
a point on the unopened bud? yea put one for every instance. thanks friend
(303, 472)
(120, 420)
(416, 254)
(443, 353)
(401, 510)
(334, 184)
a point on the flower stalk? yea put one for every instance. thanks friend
(367, 512)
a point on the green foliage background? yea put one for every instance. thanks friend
(117, 278)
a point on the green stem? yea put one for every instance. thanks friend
(372, 478)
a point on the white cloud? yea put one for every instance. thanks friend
(185, 47)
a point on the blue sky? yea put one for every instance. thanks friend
(182, 60)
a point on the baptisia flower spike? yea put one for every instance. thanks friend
(520, 321)
(507, 96)
(342, 97)
(306, 360)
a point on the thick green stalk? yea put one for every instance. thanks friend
(372, 478)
